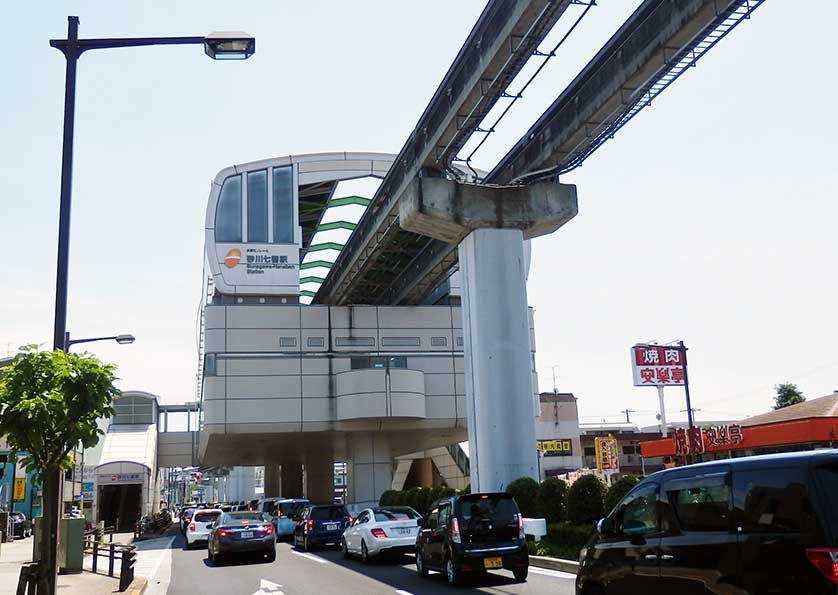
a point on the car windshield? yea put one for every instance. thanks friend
(238, 518)
(328, 513)
(291, 508)
(499, 509)
(206, 517)
(383, 515)
(269, 507)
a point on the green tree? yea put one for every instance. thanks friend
(550, 502)
(50, 402)
(586, 500)
(787, 394)
(524, 490)
(619, 489)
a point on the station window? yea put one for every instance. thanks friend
(378, 363)
(283, 201)
(257, 206)
(133, 410)
(228, 214)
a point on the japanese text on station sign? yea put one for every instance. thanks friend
(657, 365)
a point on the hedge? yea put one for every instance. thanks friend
(586, 500)
(550, 502)
(525, 491)
(619, 489)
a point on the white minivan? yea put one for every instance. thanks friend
(197, 530)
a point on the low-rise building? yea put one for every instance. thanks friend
(628, 438)
(557, 432)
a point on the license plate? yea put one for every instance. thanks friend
(332, 526)
(402, 531)
(493, 562)
(246, 534)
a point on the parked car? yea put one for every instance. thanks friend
(21, 526)
(240, 532)
(470, 534)
(198, 529)
(385, 530)
(321, 524)
(749, 526)
(286, 513)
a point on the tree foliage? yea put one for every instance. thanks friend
(586, 500)
(550, 502)
(50, 402)
(525, 491)
(619, 489)
(787, 394)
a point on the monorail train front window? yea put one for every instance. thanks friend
(283, 199)
(228, 214)
(257, 206)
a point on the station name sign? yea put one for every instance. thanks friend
(555, 448)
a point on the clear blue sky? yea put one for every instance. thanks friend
(710, 218)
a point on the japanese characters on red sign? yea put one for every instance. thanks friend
(699, 440)
(657, 365)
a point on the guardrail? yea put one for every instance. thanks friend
(126, 554)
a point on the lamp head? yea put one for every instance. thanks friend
(229, 45)
(125, 339)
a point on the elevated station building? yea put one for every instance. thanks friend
(297, 386)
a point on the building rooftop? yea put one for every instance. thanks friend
(821, 407)
(556, 398)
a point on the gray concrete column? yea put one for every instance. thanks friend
(498, 366)
(272, 481)
(320, 478)
(292, 480)
(369, 467)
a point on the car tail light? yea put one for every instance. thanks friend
(268, 530)
(455, 531)
(278, 513)
(825, 560)
(310, 524)
(378, 533)
(191, 526)
(223, 533)
(521, 534)
(351, 519)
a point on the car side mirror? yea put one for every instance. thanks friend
(606, 527)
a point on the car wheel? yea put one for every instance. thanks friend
(452, 573)
(344, 548)
(365, 554)
(271, 556)
(520, 574)
(420, 563)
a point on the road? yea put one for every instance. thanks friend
(175, 571)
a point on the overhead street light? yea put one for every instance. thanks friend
(219, 46)
(121, 339)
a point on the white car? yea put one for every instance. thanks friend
(198, 528)
(385, 529)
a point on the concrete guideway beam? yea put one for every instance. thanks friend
(499, 381)
(448, 210)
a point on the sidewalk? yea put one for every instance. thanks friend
(16, 554)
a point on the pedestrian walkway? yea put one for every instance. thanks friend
(18, 553)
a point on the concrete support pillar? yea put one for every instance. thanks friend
(370, 467)
(498, 366)
(423, 472)
(292, 480)
(320, 478)
(272, 481)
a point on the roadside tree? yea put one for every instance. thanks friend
(787, 394)
(50, 402)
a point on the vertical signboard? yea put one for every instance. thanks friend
(657, 365)
(607, 455)
(20, 489)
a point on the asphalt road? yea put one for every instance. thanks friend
(324, 572)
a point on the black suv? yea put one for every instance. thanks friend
(468, 535)
(321, 525)
(751, 526)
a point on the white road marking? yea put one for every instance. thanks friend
(400, 592)
(149, 557)
(309, 556)
(553, 573)
(268, 588)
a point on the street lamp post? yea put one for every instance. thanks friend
(218, 46)
(121, 339)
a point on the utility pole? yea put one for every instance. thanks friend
(627, 411)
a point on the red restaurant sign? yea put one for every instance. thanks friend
(657, 365)
(699, 440)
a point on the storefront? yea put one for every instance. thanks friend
(806, 426)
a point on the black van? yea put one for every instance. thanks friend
(470, 534)
(759, 525)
